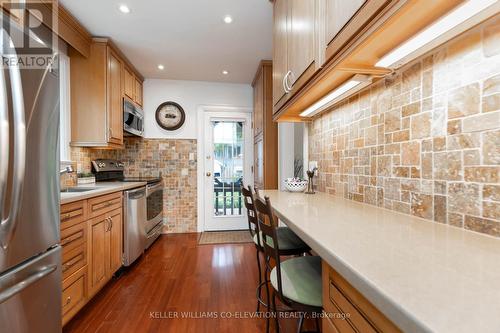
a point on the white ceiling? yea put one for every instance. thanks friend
(189, 37)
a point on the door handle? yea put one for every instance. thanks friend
(4, 140)
(18, 287)
(209, 174)
(7, 226)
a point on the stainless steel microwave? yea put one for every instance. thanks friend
(133, 119)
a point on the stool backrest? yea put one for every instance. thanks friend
(248, 199)
(268, 224)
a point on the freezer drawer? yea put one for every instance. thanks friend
(30, 295)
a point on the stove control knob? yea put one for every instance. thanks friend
(102, 165)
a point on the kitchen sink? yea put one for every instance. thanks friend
(77, 189)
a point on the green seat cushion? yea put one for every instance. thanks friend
(300, 280)
(287, 240)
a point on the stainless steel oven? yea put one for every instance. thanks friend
(154, 223)
(133, 118)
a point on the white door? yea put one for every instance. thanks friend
(228, 159)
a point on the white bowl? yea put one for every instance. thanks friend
(296, 186)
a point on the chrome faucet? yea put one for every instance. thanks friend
(68, 169)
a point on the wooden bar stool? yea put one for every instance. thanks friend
(290, 243)
(296, 281)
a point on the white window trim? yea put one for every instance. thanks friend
(65, 109)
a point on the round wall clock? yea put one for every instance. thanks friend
(170, 116)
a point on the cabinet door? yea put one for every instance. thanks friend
(259, 162)
(115, 236)
(258, 104)
(338, 13)
(99, 248)
(114, 98)
(280, 66)
(129, 84)
(302, 41)
(138, 92)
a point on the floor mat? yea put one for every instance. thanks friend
(225, 237)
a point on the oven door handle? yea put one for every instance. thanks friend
(153, 188)
(153, 232)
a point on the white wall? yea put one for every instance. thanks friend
(190, 95)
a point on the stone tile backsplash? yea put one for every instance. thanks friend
(425, 141)
(175, 160)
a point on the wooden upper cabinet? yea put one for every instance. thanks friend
(138, 91)
(280, 63)
(115, 108)
(343, 21)
(129, 84)
(302, 42)
(337, 14)
(295, 51)
(99, 83)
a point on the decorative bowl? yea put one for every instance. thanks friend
(295, 185)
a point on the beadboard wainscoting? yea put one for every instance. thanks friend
(174, 159)
(425, 141)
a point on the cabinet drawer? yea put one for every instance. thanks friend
(73, 213)
(328, 327)
(74, 236)
(73, 260)
(74, 294)
(104, 204)
(343, 305)
(360, 315)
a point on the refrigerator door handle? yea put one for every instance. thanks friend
(7, 226)
(18, 287)
(4, 139)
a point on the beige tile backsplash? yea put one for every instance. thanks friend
(425, 141)
(174, 159)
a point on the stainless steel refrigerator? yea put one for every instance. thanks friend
(30, 255)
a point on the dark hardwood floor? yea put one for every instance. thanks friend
(175, 276)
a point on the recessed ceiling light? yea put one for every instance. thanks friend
(228, 19)
(225, 72)
(161, 67)
(124, 9)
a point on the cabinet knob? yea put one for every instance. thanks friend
(209, 174)
(68, 300)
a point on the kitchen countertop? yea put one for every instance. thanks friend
(424, 276)
(101, 188)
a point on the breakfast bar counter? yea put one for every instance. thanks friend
(423, 276)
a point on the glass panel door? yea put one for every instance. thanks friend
(228, 157)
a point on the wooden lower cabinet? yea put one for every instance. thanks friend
(347, 310)
(91, 247)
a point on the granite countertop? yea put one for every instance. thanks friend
(100, 188)
(424, 276)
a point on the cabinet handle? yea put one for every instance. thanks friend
(72, 238)
(65, 217)
(284, 82)
(288, 87)
(68, 300)
(72, 262)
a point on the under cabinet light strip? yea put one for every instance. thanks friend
(342, 91)
(436, 31)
